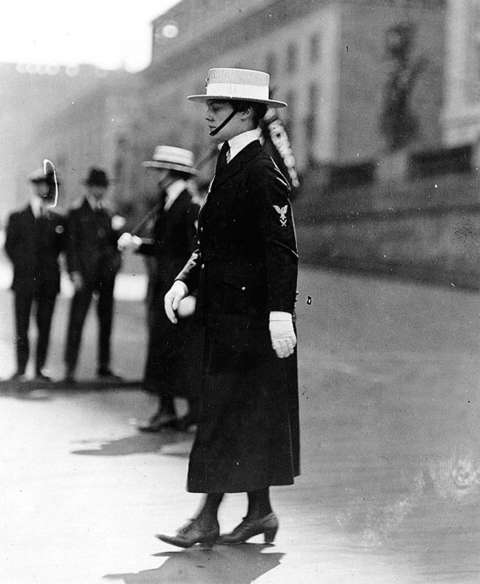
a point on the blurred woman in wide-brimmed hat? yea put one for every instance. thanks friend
(171, 368)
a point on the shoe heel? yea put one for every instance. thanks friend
(270, 534)
(210, 541)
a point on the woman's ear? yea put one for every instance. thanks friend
(246, 113)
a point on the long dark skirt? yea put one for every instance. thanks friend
(173, 365)
(248, 433)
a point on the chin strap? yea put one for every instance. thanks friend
(223, 124)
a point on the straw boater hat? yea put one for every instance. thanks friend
(238, 84)
(172, 158)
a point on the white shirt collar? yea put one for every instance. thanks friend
(35, 205)
(240, 141)
(94, 204)
(173, 192)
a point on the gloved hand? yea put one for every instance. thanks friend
(129, 241)
(282, 334)
(77, 280)
(172, 299)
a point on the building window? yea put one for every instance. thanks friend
(473, 78)
(292, 56)
(311, 120)
(271, 64)
(291, 113)
(315, 47)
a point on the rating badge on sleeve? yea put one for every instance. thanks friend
(282, 211)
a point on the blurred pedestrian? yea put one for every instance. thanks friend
(245, 273)
(93, 262)
(34, 239)
(172, 358)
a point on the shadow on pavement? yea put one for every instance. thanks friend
(236, 565)
(7, 386)
(135, 444)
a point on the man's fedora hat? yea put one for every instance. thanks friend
(97, 177)
(172, 158)
(238, 84)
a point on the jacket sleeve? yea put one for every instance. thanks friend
(191, 271)
(191, 225)
(148, 247)
(73, 243)
(270, 195)
(11, 238)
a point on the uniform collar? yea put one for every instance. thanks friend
(240, 141)
(173, 192)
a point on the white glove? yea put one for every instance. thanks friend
(127, 241)
(77, 280)
(172, 299)
(282, 334)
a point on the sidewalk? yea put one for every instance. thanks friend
(390, 485)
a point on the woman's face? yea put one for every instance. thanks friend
(217, 112)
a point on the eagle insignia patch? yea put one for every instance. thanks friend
(282, 211)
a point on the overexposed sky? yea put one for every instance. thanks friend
(107, 33)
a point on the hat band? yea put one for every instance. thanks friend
(177, 162)
(237, 91)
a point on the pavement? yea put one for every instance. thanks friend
(390, 484)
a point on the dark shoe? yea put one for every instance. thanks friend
(248, 528)
(19, 377)
(108, 375)
(187, 423)
(159, 422)
(191, 534)
(69, 379)
(40, 376)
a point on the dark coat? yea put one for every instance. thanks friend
(92, 243)
(171, 368)
(172, 241)
(33, 246)
(244, 267)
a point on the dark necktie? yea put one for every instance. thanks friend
(222, 159)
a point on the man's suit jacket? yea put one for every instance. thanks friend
(245, 264)
(92, 243)
(172, 241)
(34, 245)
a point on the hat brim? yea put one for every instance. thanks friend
(169, 166)
(203, 98)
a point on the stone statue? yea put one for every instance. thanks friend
(398, 123)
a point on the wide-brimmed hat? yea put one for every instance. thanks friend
(39, 175)
(172, 158)
(97, 177)
(238, 85)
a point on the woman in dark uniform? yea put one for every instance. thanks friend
(244, 272)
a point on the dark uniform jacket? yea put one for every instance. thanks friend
(244, 267)
(33, 245)
(245, 264)
(172, 241)
(172, 362)
(92, 243)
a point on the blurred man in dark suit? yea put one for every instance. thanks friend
(93, 262)
(34, 239)
(173, 354)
